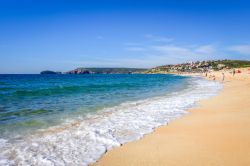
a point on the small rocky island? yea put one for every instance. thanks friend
(50, 72)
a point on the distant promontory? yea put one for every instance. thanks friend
(82, 70)
(105, 71)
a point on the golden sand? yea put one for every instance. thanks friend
(217, 132)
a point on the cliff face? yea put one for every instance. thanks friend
(79, 71)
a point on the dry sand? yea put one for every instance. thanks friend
(217, 132)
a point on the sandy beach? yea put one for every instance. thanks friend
(216, 132)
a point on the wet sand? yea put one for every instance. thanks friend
(217, 132)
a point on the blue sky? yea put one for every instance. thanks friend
(61, 34)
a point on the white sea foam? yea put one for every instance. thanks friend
(83, 141)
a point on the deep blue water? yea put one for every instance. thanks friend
(30, 102)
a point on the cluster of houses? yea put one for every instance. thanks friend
(198, 66)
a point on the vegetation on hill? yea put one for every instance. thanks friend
(232, 63)
(200, 66)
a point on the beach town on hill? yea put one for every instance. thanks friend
(200, 66)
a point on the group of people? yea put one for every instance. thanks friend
(222, 75)
(210, 76)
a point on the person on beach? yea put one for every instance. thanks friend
(213, 77)
(223, 76)
(233, 72)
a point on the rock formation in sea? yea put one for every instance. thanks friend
(79, 71)
(49, 72)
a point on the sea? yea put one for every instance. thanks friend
(48, 120)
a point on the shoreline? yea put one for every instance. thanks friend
(214, 133)
(85, 141)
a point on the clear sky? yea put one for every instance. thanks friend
(64, 34)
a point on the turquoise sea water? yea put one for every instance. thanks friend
(74, 119)
(37, 101)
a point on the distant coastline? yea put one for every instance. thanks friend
(82, 70)
(189, 67)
